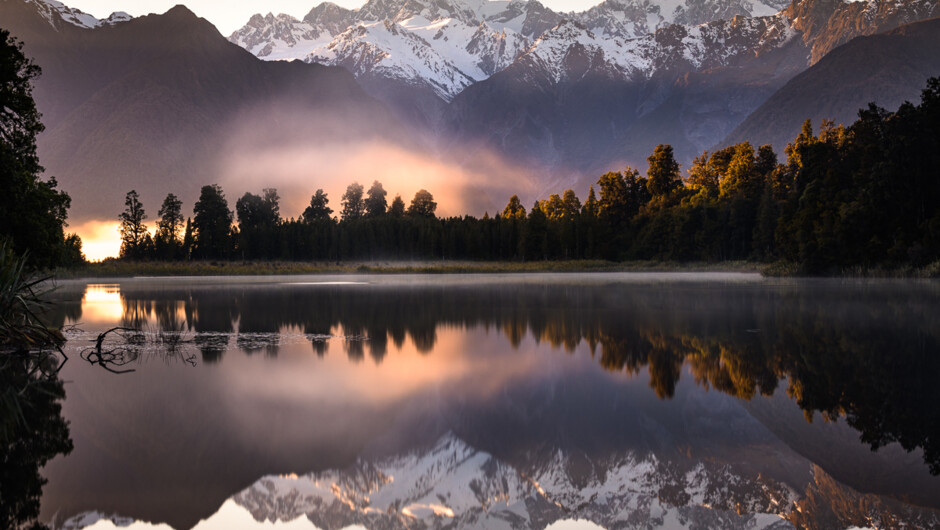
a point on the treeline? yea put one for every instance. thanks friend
(866, 195)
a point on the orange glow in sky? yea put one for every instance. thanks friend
(100, 239)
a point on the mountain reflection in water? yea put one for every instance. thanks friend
(355, 377)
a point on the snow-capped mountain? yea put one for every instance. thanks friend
(446, 56)
(444, 46)
(569, 50)
(454, 485)
(274, 37)
(827, 24)
(448, 45)
(636, 18)
(57, 13)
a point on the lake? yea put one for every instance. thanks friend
(620, 400)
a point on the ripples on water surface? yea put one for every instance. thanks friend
(623, 400)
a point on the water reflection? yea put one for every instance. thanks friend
(866, 352)
(869, 354)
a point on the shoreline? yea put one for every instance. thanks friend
(129, 269)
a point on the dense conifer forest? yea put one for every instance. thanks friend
(864, 196)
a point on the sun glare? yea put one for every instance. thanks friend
(100, 239)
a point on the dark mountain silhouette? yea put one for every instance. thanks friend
(887, 69)
(153, 102)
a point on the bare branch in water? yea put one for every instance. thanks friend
(127, 350)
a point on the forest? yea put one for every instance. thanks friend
(861, 196)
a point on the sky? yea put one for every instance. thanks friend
(228, 16)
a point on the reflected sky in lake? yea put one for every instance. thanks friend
(622, 399)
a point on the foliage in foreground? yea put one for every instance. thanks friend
(32, 430)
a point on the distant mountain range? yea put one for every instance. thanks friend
(155, 102)
(576, 92)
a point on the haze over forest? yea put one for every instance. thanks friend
(474, 101)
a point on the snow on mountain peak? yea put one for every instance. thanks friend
(56, 12)
(280, 36)
(446, 45)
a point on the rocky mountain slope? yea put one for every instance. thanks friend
(887, 69)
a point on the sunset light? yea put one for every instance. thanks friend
(469, 264)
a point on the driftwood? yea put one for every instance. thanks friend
(111, 359)
(107, 358)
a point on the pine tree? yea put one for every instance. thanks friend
(318, 209)
(375, 202)
(353, 205)
(590, 204)
(397, 209)
(133, 228)
(663, 173)
(167, 244)
(212, 224)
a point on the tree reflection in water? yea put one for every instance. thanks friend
(869, 352)
(28, 441)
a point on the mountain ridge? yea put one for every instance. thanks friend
(649, 62)
(888, 69)
(152, 103)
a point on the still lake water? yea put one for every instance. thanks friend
(501, 401)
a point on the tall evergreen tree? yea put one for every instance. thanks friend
(663, 173)
(258, 219)
(212, 224)
(397, 209)
(375, 203)
(133, 229)
(590, 207)
(571, 205)
(168, 242)
(189, 240)
(536, 234)
(354, 207)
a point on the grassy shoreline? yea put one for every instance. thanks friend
(121, 269)
(126, 269)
